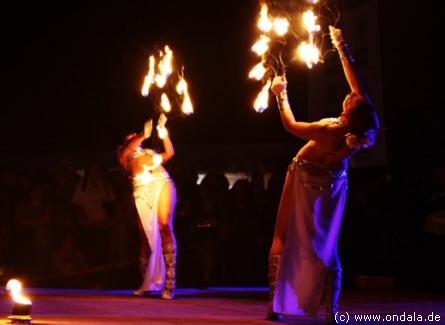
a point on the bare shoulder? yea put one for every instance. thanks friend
(331, 126)
(328, 120)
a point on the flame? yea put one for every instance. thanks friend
(264, 23)
(150, 77)
(15, 288)
(182, 89)
(165, 67)
(258, 71)
(187, 106)
(165, 103)
(308, 51)
(181, 86)
(281, 26)
(262, 45)
(160, 69)
(262, 100)
(161, 80)
(309, 22)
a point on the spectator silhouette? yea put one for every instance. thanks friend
(92, 198)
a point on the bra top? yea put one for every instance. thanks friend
(139, 152)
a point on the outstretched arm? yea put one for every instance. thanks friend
(303, 130)
(348, 63)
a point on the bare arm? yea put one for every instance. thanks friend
(303, 130)
(169, 150)
(348, 63)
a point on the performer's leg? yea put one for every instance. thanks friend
(166, 210)
(274, 264)
(144, 254)
(333, 289)
(144, 246)
(273, 268)
(144, 249)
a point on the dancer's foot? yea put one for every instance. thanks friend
(168, 294)
(141, 292)
(273, 316)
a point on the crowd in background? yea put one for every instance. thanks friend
(76, 226)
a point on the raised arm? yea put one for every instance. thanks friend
(303, 130)
(169, 150)
(133, 142)
(348, 63)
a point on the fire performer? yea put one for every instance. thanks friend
(303, 259)
(155, 198)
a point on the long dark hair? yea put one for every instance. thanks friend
(362, 118)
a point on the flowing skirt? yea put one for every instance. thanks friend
(308, 223)
(146, 195)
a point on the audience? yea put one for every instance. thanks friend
(66, 221)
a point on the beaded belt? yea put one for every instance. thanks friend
(315, 176)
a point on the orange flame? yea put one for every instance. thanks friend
(149, 78)
(182, 89)
(281, 26)
(165, 103)
(264, 23)
(308, 51)
(262, 100)
(309, 22)
(187, 106)
(181, 86)
(262, 45)
(15, 287)
(258, 71)
(165, 67)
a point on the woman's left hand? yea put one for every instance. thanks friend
(162, 130)
(336, 36)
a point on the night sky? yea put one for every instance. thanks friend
(73, 71)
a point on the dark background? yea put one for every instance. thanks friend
(72, 71)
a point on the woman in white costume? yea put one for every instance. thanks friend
(155, 199)
(303, 259)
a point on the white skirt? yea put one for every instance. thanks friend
(146, 196)
(308, 222)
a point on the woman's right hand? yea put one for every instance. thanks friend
(148, 126)
(279, 84)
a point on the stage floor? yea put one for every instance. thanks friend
(213, 306)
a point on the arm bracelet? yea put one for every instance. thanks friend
(280, 98)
